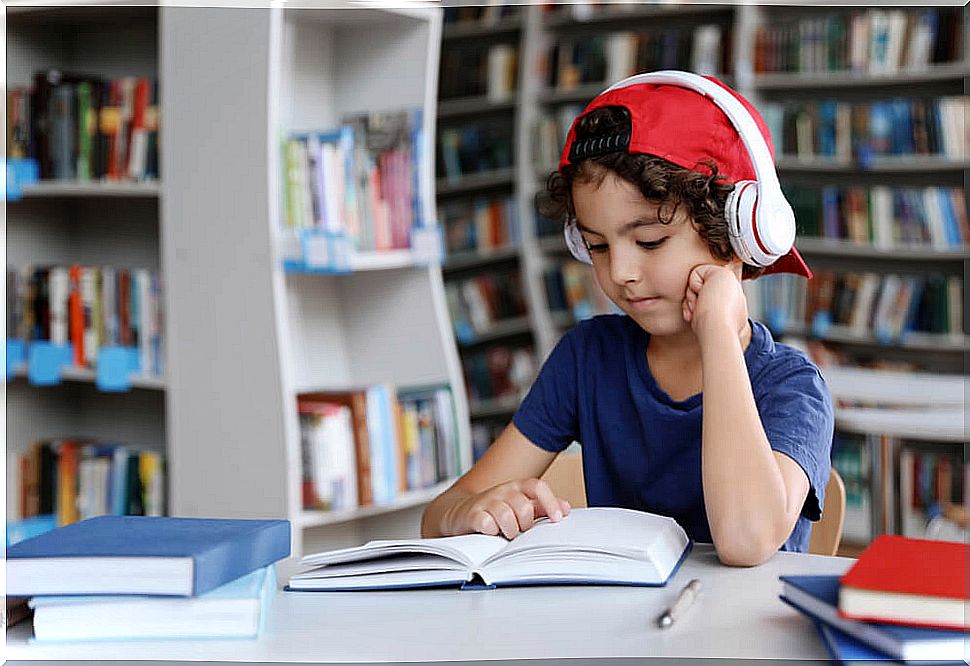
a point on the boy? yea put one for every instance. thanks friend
(683, 406)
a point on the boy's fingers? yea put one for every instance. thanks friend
(485, 524)
(525, 512)
(564, 505)
(546, 502)
(505, 518)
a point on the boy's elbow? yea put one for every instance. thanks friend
(745, 549)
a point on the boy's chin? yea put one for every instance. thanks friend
(661, 325)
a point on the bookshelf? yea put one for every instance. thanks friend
(114, 223)
(541, 246)
(882, 414)
(271, 334)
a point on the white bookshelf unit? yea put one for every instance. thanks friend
(96, 223)
(251, 337)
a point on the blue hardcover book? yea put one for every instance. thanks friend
(234, 610)
(818, 597)
(144, 555)
(844, 649)
(593, 546)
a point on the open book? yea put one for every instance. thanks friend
(596, 546)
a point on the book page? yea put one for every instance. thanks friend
(612, 530)
(467, 549)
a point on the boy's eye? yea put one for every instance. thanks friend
(651, 245)
(597, 247)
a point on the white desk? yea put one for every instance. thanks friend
(738, 615)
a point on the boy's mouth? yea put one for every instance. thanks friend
(643, 303)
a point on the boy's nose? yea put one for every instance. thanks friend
(625, 267)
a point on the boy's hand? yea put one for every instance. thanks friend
(714, 302)
(508, 509)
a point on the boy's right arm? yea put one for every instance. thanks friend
(500, 494)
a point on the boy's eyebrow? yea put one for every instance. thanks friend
(626, 228)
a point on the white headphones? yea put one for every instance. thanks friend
(761, 223)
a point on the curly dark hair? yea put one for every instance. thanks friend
(703, 191)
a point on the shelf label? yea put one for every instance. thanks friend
(821, 323)
(16, 356)
(115, 366)
(20, 172)
(45, 360)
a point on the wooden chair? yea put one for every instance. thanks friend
(827, 533)
(565, 477)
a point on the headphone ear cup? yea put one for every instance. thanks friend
(761, 227)
(575, 243)
(734, 216)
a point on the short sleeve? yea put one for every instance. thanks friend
(548, 414)
(796, 412)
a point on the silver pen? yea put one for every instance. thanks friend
(684, 600)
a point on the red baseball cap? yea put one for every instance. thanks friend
(682, 126)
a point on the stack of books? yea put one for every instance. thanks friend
(904, 599)
(140, 577)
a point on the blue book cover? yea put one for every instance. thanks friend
(845, 649)
(818, 597)
(141, 554)
(237, 609)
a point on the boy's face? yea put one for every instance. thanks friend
(640, 263)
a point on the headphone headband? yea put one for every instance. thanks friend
(754, 142)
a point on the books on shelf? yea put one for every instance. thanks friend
(872, 41)
(236, 609)
(475, 147)
(933, 479)
(571, 287)
(932, 218)
(84, 128)
(917, 582)
(479, 224)
(572, 61)
(599, 546)
(91, 308)
(818, 598)
(355, 188)
(882, 307)
(847, 133)
(478, 303)
(484, 14)
(75, 479)
(549, 135)
(143, 555)
(365, 446)
(499, 371)
(852, 457)
(479, 70)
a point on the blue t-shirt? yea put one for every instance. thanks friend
(641, 448)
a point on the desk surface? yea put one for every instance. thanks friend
(738, 615)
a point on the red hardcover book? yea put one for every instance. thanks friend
(908, 581)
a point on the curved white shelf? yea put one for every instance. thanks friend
(55, 188)
(899, 388)
(88, 376)
(933, 425)
(308, 519)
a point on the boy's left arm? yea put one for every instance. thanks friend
(753, 495)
